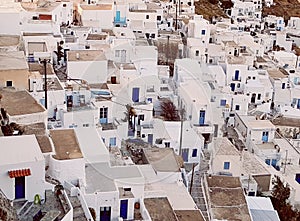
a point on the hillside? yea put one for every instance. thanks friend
(209, 8)
(283, 8)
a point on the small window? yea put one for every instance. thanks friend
(197, 53)
(9, 84)
(147, 16)
(238, 85)
(167, 144)
(237, 107)
(85, 125)
(258, 96)
(268, 161)
(158, 18)
(253, 78)
(203, 32)
(226, 165)
(222, 102)
(64, 5)
(194, 153)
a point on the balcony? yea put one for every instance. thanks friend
(207, 127)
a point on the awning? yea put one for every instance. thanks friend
(19, 173)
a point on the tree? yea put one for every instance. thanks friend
(169, 111)
(280, 196)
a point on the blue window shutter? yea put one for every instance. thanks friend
(226, 165)
(135, 94)
(222, 102)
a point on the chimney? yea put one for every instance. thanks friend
(77, 56)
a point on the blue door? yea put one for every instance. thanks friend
(265, 136)
(118, 16)
(232, 85)
(150, 139)
(20, 187)
(123, 208)
(298, 104)
(274, 163)
(135, 94)
(268, 161)
(236, 75)
(185, 155)
(202, 117)
(105, 213)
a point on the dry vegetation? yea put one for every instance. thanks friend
(209, 9)
(283, 8)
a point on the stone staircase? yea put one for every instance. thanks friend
(197, 189)
(78, 213)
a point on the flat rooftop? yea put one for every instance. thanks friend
(9, 40)
(93, 148)
(160, 209)
(40, 68)
(251, 165)
(39, 130)
(96, 37)
(40, 7)
(227, 198)
(100, 177)
(260, 124)
(189, 215)
(19, 149)
(19, 103)
(13, 60)
(65, 144)
(285, 121)
(276, 73)
(97, 7)
(236, 60)
(86, 55)
(162, 159)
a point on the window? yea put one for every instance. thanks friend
(222, 102)
(103, 115)
(203, 32)
(117, 53)
(167, 144)
(237, 107)
(9, 84)
(147, 16)
(149, 99)
(258, 96)
(112, 141)
(194, 153)
(238, 85)
(283, 86)
(85, 125)
(226, 165)
(158, 18)
(197, 53)
(268, 161)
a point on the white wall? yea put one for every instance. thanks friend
(34, 184)
(235, 164)
(91, 71)
(67, 170)
(80, 117)
(10, 23)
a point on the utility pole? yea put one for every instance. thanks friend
(45, 61)
(168, 40)
(181, 129)
(176, 16)
(286, 155)
(192, 179)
